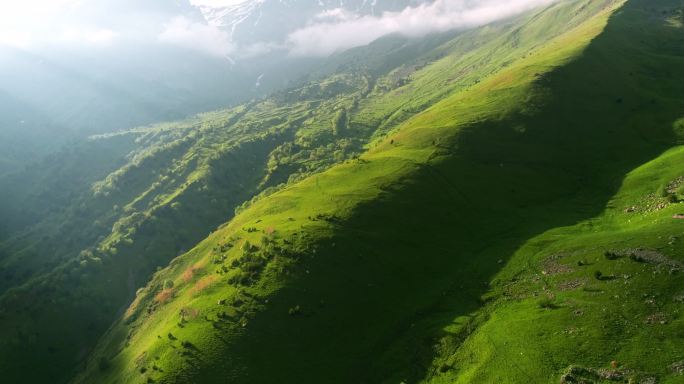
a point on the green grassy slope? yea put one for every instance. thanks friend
(463, 247)
(88, 236)
(94, 244)
(549, 311)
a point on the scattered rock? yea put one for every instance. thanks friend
(576, 374)
(650, 256)
(611, 375)
(677, 367)
(656, 201)
(553, 267)
(571, 284)
(656, 318)
(581, 375)
(675, 184)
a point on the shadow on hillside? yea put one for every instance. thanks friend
(411, 262)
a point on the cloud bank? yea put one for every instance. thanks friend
(35, 25)
(338, 30)
(55, 23)
(197, 36)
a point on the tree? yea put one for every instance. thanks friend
(339, 123)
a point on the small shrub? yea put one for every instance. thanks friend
(598, 275)
(671, 198)
(187, 345)
(610, 255)
(296, 310)
(247, 247)
(662, 191)
(680, 191)
(546, 303)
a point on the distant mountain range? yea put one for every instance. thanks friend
(71, 92)
(255, 21)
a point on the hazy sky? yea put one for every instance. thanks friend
(338, 29)
(30, 23)
(215, 3)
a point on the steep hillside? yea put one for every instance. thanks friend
(519, 230)
(80, 262)
(52, 97)
(92, 223)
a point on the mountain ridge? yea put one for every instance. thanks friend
(295, 280)
(488, 205)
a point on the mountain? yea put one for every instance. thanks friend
(59, 91)
(68, 91)
(271, 21)
(516, 223)
(68, 97)
(91, 223)
(494, 204)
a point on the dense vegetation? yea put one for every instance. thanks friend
(495, 205)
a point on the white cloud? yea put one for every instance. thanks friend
(39, 24)
(259, 49)
(338, 30)
(36, 24)
(202, 37)
(86, 35)
(23, 22)
(216, 3)
(15, 38)
(335, 15)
